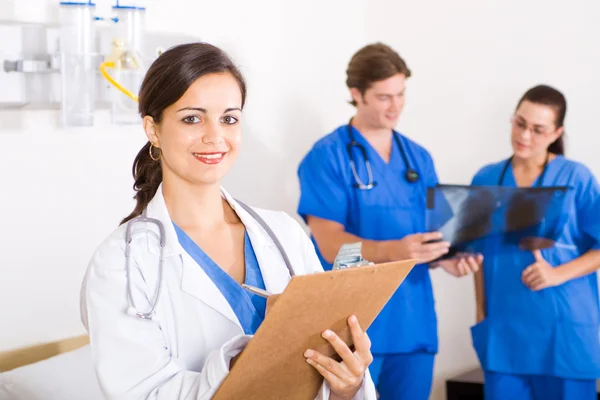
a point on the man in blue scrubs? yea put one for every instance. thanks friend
(365, 182)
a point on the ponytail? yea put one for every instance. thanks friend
(549, 96)
(148, 176)
(558, 146)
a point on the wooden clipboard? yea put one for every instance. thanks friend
(272, 365)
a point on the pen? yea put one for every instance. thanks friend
(255, 290)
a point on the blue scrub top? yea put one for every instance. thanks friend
(248, 307)
(554, 331)
(391, 210)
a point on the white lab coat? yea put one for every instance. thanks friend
(184, 352)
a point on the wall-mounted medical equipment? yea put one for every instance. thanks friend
(80, 64)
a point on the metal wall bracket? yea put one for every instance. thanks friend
(31, 65)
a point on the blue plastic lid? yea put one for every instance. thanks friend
(118, 6)
(128, 8)
(78, 3)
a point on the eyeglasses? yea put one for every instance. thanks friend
(521, 126)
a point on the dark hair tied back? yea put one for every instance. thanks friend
(548, 96)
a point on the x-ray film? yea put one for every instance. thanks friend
(531, 218)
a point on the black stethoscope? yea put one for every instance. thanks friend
(540, 179)
(411, 175)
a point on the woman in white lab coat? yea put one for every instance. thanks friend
(191, 102)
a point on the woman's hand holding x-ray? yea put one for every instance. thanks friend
(462, 264)
(345, 378)
(540, 274)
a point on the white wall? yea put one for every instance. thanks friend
(471, 62)
(65, 190)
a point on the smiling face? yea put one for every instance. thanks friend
(382, 102)
(200, 134)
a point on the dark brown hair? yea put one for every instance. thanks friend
(167, 79)
(548, 96)
(372, 63)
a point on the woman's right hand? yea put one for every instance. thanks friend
(345, 378)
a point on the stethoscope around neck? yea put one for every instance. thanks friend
(132, 309)
(411, 175)
(509, 161)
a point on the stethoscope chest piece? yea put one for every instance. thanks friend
(411, 175)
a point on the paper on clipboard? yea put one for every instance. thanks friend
(273, 366)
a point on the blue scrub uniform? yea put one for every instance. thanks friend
(404, 335)
(248, 307)
(544, 344)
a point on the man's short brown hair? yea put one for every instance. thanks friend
(372, 63)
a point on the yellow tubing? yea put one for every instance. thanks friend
(110, 64)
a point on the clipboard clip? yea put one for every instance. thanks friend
(350, 255)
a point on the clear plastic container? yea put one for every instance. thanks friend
(124, 110)
(78, 94)
(79, 63)
(130, 70)
(130, 26)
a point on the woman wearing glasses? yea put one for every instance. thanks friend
(537, 333)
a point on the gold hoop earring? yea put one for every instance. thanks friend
(150, 151)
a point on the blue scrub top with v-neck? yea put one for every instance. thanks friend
(393, 209)
(249, 308)
(554, 331)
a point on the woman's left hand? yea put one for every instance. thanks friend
(462, 264)
(345, 378)
(540, 274)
